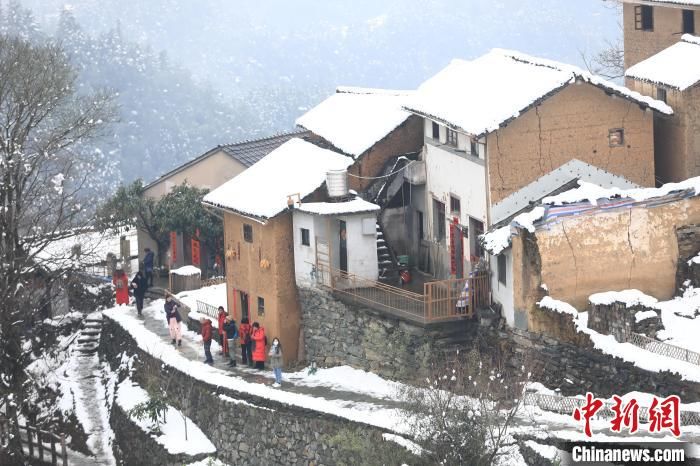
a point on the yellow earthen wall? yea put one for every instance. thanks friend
(668, 27)
(572, 124)
(271, 242)
(611, 251)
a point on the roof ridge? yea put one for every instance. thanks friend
(272, 136)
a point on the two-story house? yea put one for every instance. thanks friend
(499, 123)
(651, 26)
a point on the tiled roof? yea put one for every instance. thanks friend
(250, 152)
(246, 152)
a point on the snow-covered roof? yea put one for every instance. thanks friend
(556, 179)
(679, 3)
(586, 197)
(261, 191)
(678, 66)
(478, 96)
(186, 271)
(355, 206)
(354, 119)
(629, 298)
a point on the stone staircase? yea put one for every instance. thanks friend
(385, 258)
(89, 338)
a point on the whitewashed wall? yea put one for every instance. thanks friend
(501, 293)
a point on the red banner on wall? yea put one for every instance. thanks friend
(195, 252)
(173, 247)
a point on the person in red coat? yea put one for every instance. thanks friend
(222, 335)
(246, 346)
(206, 339)
(121, 284)
(259, 345)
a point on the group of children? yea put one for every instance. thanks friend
(252, 340)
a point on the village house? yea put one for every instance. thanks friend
(496, 125)
(591, 239)
(207, 171)
(651, 26)
(672, 75)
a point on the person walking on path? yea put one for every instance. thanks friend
(148, 260)
(121, 284)
(245, 341)
(206, 339)
(223, 342)
(139, 285)
(259, 344)
(172, 316)
(231, 334)
(276, 361)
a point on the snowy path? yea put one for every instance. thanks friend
(89, 393)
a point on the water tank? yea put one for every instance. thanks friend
(337, 183)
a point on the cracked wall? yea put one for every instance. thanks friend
(612, 250)
(571, 124)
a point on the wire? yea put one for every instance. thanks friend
(383, 176)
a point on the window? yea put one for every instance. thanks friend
(438, 220)
(616, 137)
(473, 147)
(644, 18)
(436, 131)
(451, 137)
(455, 205)
(248, 233)
(421, 233)
(661, 94)
(502, 272)
(305, 237)
(688, 22)
(261, 306)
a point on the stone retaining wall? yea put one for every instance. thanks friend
(337, 333)
(244, 428)
(619, 320)
(134, 446)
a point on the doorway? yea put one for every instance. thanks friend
(343, 243)
(245, 310)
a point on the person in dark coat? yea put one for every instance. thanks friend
(223, 341)
(139, 285)
(231, 333)
(206, 339)
(148, 260)
(259, 345)
(245, 341)
(173, 318)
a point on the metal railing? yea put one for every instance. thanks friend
(441, 300)
(566, 405)
(664, 349)
(207, 309)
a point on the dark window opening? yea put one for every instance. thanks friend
(436, 131)
(661, 94)
(421, 234)
(261, 306)
(616, 137)
(451, 137)
(473, 147)
(502, 275)
(305, 237)
(688, 22)
(644, 18)
(248, 233)
(455, 205)
(438, 220)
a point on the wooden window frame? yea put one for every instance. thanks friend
(621, 142)
(305, 237)
(459, 205)
(439, 228)
(436, 131)
(688, 21)
(502, 269)
(248, 233)
(661, 94)
(644, 18)
(261, 306)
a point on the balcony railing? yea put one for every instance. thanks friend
(441, 300)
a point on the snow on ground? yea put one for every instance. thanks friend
(346, 378)
(409, 445)
(213, 295)
(208, 462)
(172, 436)
(681, 323)
(386, 418)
